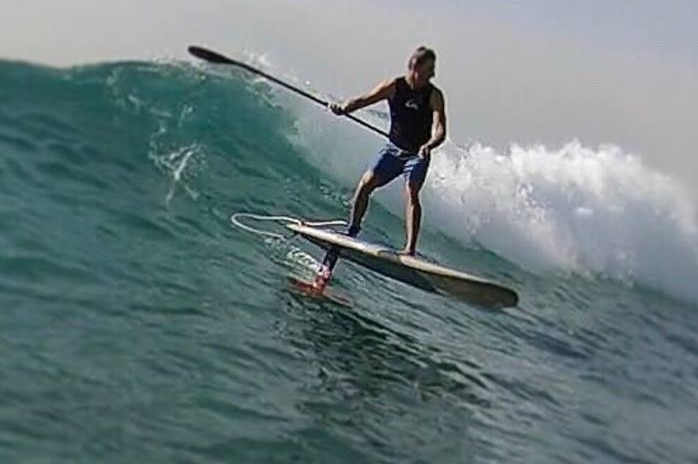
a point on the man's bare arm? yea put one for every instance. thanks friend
(382, 91)
(438, 125)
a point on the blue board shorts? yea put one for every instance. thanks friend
(393, 161)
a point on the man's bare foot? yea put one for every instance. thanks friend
(406, 252)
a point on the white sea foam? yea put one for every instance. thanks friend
(575, 209)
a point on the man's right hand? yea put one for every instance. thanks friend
(337, 108)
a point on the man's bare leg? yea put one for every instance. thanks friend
(367, 185)
(413, 218)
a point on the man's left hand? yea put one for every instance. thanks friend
(425, 152)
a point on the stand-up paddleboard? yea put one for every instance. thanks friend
(411, 270)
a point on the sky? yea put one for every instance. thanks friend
(522, 72)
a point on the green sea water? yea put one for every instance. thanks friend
(138, 325)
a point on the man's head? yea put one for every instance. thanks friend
(421, 66)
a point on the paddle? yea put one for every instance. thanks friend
(217, 58)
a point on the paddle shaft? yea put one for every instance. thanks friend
(215, 57)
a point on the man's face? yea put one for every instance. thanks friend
(423, 72)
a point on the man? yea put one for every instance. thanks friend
(417, 126)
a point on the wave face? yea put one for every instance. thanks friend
(139, 324)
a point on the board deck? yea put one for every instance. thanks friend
(412, 270)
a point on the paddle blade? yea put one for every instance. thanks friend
(210, 55)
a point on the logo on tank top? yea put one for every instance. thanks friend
(413, 104)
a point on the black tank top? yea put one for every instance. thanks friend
(410, 116)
